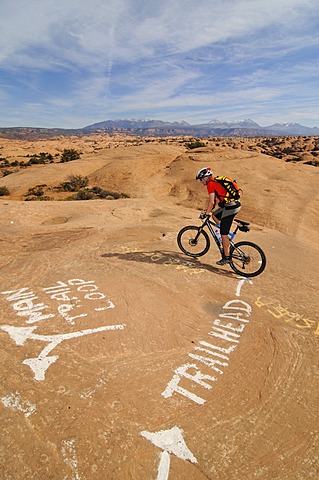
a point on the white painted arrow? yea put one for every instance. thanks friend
(170, 441)
(19, 334)
(163, 467)
(241, 283)
(40, 364)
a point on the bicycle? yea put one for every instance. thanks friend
(246, 258)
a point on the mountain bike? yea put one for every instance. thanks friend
(246, 258)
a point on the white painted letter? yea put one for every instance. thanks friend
(228, 336)
(173, 385)
(246, 308)
(229, 326)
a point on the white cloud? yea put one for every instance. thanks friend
(86, 33)
(109, 57)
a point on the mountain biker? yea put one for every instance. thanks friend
(225, 214)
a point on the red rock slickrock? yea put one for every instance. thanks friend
(123, 358)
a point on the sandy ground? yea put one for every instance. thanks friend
(121, 358)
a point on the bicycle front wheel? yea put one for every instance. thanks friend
(193, 241)
(247, 259)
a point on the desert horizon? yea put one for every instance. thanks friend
(122, 358)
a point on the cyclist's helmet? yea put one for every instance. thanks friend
(204, 172)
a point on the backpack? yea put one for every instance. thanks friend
(231, 187)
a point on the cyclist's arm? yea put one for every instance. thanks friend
(211, 203)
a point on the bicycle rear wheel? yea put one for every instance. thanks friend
(193, 241)
(247, 259)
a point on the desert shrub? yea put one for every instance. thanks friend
(100, 193)
(97, 190)
(96, 193)
(74, 183)
(288, 150)
(40, 158)
(47, 156)
(68, 155)
(42, 198)
(124, 195)
(195, 144)
(107, 194)
(36, 191)
(5, 173)
(294, 159)
(84, 194)
(315, 163)
(4, 191)
(36, 161)
(271, 141)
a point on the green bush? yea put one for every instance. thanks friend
(96, 193)
(100, 193)
(315, 163)
(288, 151)
(5, 173)
(36, 191)
(195, 144)
(68, 155)
(74, 183)
(40, 158)
(84, 194)
(36, 161)
(4, 191)
(77, 183)
(43, 198)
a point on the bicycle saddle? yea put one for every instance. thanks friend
(242, 222)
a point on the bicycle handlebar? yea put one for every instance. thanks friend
(206, 219)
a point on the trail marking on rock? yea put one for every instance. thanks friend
(40, 364)
(170, 441)
(16, 402)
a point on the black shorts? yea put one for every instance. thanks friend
(226, 216)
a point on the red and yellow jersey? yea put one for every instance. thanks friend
(218, 189)
(225, 189)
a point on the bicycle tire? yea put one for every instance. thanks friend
(193, 237)
(247, 259)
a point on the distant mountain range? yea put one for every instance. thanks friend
(244, 128)
(159, 128)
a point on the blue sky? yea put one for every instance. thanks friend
(71, 63)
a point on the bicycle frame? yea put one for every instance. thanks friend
(216, 236)
(246, 258)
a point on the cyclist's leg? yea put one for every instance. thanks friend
(228, 215)
(217, 215)
(225, 225)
